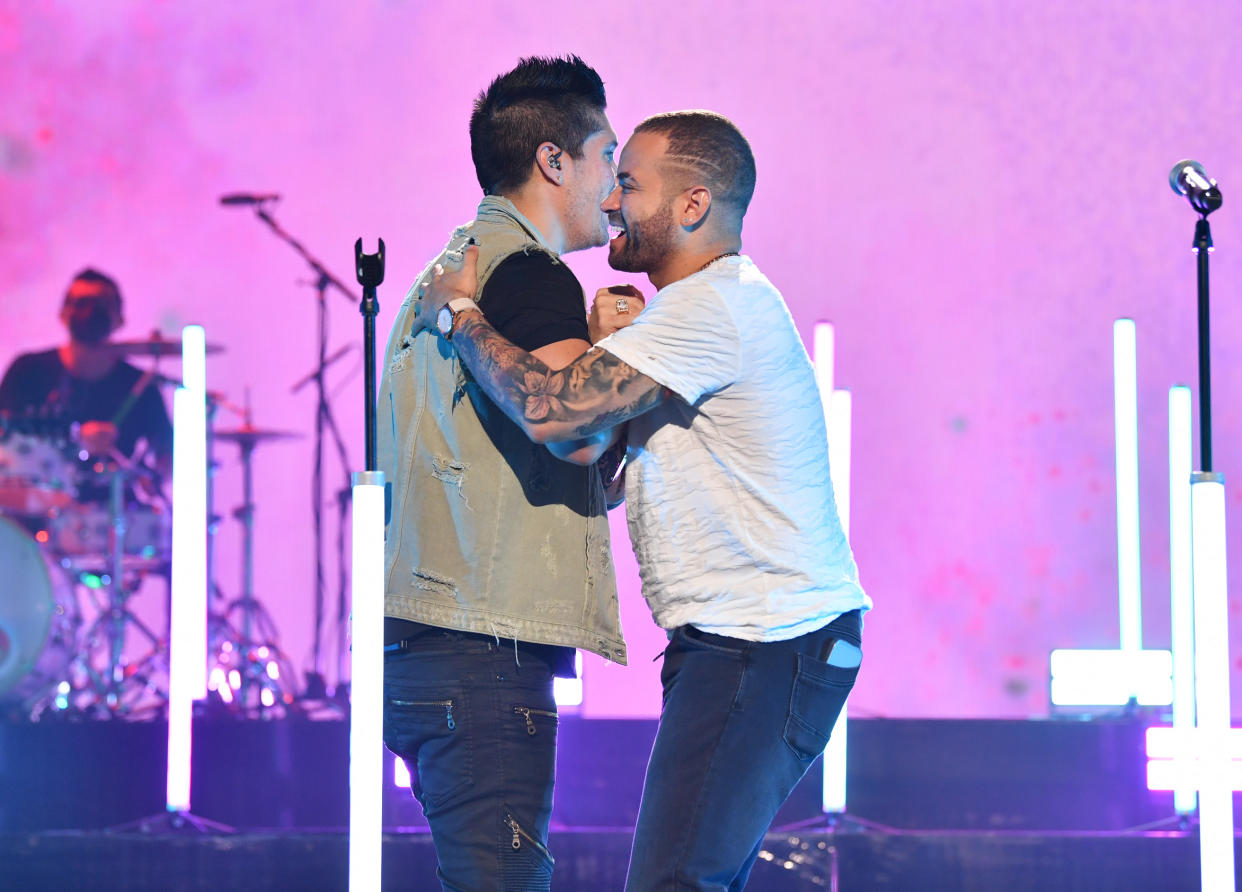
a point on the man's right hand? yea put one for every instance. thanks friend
(614, 308)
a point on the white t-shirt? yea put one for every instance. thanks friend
(728, 496)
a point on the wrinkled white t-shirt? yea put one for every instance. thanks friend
(728, 496)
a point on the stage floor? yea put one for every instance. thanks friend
(813, 860)
(978, 805)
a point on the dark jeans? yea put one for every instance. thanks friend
(741, 723)
(476, 724)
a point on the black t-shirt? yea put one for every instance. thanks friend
(533, 301)
(39, 384)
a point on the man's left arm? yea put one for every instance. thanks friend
(595, 392)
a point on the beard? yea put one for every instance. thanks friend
(646, 245)
(91, 326)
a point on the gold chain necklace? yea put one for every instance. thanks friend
(714, 259)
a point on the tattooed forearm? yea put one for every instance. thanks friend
(595, 392)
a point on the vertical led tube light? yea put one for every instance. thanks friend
(1125, 409)
(836, 405)
(366, 734)
(1211, 608)
(1181, 590)
(840, 412)
(824, 353)
(187, 671)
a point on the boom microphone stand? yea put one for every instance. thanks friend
(316, 686)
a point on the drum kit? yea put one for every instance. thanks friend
(83, 530)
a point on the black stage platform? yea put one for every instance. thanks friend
(934, 805)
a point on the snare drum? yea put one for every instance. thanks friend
(36, 475)
(84, 530)
(39, 618)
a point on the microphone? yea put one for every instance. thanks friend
(248, 198)
(1190, 179)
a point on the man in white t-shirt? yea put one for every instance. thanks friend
(728, 495)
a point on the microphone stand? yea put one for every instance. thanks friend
(366, 764)
(316, 684)
(1210, 592)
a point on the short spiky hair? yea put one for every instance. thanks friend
(541, 100)
(714, 148)
(90, 274)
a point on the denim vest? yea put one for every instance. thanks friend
(487, 531)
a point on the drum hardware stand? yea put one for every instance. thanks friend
(316, 683)
(255, 647)
(107, 687)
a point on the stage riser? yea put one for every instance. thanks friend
(916, 774)
(595, 862)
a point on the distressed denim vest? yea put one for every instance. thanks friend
(487, 531)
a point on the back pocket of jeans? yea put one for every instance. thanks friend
(819, 692)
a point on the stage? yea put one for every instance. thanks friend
(934, 805)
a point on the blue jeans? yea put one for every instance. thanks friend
(741, 723)
(476, 724)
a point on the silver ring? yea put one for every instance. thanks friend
(623, 305)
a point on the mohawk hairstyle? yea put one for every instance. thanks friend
(714, 148)
(557, 100)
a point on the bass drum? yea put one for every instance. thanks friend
(39, 619)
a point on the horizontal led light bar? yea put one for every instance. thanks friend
(1111, 677)
(1170, 743)
(1164, 775)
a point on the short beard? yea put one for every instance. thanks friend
(647, 244)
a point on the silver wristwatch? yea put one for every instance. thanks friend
(446, 319)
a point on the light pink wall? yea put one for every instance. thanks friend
(972, 191)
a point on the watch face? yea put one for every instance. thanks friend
(444, 320)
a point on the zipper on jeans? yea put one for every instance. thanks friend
(519, 834)
(446, 704)
(526, 712)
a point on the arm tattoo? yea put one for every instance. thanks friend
(591, 394)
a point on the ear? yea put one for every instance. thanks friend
(549, 158)
(695, 204)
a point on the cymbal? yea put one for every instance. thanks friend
(249, 435)
(156, 345)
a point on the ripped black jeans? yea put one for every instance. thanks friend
(476, 724)
(741, 723)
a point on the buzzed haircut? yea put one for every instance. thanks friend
(90, 274)
(712, 145)
(556, 100)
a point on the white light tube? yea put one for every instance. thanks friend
(1164, 775)
(1207, 504)
(1164, 742)
(366, 734)
(824, 357)
(568, 691)
(838, 409)
(1180, 580)
(187, 671)
(1111, 677)
(400, 773)
(1125, 409)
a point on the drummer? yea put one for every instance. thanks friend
(85, 380)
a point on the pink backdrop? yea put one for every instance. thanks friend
(972, 191)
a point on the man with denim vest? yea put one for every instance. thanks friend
(729, 500)
(497, 555)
